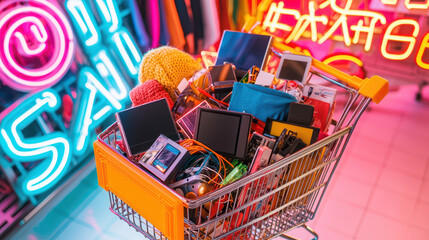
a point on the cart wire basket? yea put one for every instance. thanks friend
(266, 204)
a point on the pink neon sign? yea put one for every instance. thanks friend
(37, 46)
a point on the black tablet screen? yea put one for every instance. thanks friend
(143, 124)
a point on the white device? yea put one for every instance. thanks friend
(294, 67)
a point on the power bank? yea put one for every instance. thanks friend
(300, 113)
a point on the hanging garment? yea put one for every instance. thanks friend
(211, 23)
(154, 22)
(223, 15)
(198, 25)
(230, 13)
(177, 38)
(186, 22)
(142, 36)
(165, 35)
(242, 10)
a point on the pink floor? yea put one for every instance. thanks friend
(381, 189)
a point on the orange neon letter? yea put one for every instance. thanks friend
(388, 36)
(345, 57)
(273, 15)
(305, 21)
(341, 21)
(346, 11)
(422, 49)
(389, 2)
(410, 5)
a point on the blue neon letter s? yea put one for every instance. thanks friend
(53, 149)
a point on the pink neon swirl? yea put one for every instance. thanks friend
(61, 36)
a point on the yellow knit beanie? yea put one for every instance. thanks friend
(169, 66)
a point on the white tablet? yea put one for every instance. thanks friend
(294, 67)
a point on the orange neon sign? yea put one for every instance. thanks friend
(361, 30)
(338, 58)
(303, 21)
(307, 20)
(344, 57)
(410, 5)
(389, 2)
(411, 40)
(423, 47)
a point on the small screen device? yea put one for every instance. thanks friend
(140, 126)
(294, 67)
(165, 158)
(222, 76)
(244, 50)
(226, 132)
(300, 113)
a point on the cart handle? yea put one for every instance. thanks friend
(375, 87)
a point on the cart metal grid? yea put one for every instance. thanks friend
(300, 198)
(265, 204)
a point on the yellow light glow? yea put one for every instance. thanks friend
(262, 7)
(423, 47)
(342, 20)
(273, 15)
(305, 21)
(389, 2)
(324, 4)
(356, 29)
(410, 5)
(365, 26)
(346, 57)
(388, 36)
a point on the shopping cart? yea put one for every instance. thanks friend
(262, 205)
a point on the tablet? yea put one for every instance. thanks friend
(140, 126)
(223, 131)
(244, 50)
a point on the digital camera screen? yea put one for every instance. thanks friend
(165, 158)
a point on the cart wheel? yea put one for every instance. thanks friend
(419, 96)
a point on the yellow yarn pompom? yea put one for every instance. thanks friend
(167, 65)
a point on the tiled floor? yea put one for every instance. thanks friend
(380, 190)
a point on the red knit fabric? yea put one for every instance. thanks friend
(149, 91)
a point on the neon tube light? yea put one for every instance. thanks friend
(61, 40)
(54, 146)
(411, 40)
(79, 13)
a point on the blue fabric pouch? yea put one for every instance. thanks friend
(260, 101)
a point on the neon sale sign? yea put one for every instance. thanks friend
(349, 24)
(37, 50)
(37, 34)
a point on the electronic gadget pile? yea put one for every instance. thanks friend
(229, 120)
